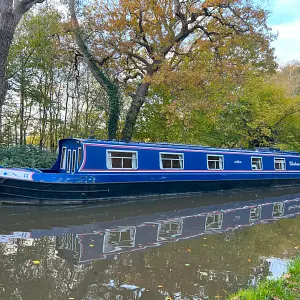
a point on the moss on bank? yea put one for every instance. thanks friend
(285, 288)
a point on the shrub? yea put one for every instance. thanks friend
(27, 156)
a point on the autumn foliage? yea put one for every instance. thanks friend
(144, 43)
(200, 72)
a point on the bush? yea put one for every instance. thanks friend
(27, 156)
(284, 288)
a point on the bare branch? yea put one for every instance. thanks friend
(134, 76)
(138, 57)
(145, 42)
(89, 58)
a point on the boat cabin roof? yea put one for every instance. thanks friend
(179, 147)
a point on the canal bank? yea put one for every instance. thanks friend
(286, 287)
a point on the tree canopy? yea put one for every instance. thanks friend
(140, 43)
(178, 71)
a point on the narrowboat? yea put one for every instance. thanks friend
(91, 171)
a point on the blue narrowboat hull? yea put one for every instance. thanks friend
(54, 189)
(90, 171)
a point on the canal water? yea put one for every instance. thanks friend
(185, 247)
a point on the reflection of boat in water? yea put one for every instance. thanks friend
(118, 239)
(98, 240)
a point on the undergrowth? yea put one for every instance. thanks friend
(285, 288)
(27, 156)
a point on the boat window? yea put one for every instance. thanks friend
(256, 163)
(255, 214)
(215, 162)
(63, 158)
(69, 161)
(169, 230)
(115, 240)
(79, 157)
(214, 221)
(121, 160)
(279, 163)
(73, 161)
(171, 160)
(278, 209)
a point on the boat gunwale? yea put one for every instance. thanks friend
(184, 147)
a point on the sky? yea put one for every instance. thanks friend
(285, 20)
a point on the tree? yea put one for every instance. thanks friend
(289, 76)
(32, 68)
(139, 42)
(52, 93)
(262, 116)
(11, 12)
(97, 69)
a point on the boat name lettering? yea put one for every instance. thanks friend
(238, 162)
(294, 164)
(294, 207)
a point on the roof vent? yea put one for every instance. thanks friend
(267, 149)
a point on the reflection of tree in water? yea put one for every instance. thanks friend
(204, 266)
(51, 279)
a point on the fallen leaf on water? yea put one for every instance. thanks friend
(187, 265)
(169, 298)
(204, 245)
(189, 250)
(249, 259)
(160, 286)
(71, 298)
(204, 238)
(203, 273)
(91, 245)
(36, 262)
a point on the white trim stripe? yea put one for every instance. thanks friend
(190, 171)
(207, 151)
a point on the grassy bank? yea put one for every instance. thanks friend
(285, 288)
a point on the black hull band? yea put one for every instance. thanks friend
(25, 192)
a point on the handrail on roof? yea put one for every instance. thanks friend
(258, 149)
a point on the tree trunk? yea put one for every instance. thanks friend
(22, 109)
(108, 85)
(8, 23)
(11, 12)
(133, 112)
(67, 103)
